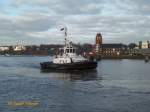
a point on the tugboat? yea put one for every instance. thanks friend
(69, 60)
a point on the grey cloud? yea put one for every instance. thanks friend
(128, 27)
(31, 22)
(83, 18)
(124, 28)
(17, 28)
(65, 6)
(136, 7)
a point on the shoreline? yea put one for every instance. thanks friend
(98, 58)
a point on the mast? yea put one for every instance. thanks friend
(66, 39)
(67, 48)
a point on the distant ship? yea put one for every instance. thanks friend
(69, 60)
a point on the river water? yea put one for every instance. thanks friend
(115, 86)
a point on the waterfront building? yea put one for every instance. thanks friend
(113, 49)
(98, 43)
(148, 44)
(108, 49)
(139, 52)
(19, 48)
(144, 45)
(4, 48)
(143, 49)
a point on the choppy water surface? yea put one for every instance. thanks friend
(116, 86)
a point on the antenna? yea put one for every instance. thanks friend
(66, 35)
(66, 32)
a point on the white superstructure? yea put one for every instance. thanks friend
(69, 53)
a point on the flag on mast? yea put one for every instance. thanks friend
(65, 28)
(62, 29)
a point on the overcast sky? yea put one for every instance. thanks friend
(40, 21)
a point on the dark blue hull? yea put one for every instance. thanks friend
(69, 66)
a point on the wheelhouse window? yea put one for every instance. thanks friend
(67, 50)
(70, 50)
(73, 50)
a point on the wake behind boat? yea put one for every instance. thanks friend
(69, 60)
